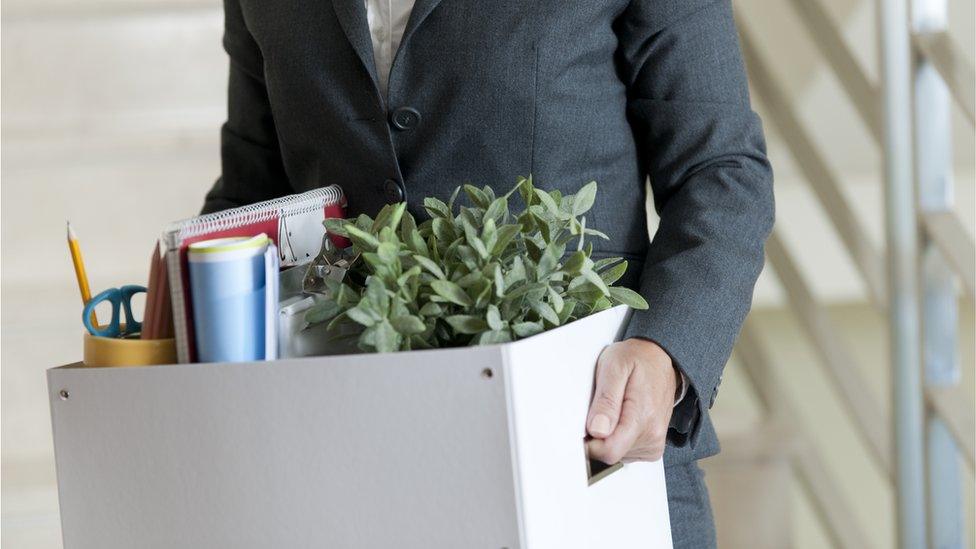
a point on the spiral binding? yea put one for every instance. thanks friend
(255, 213)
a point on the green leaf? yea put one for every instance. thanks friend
(596, 233)
(606, 262)
(387, 234)
(451, 292)
(516, 274)
(494, 318)
(387, 252)
(547, 201)
(526, 329)
(496, 210)
(576, 283)
(601, 304)
(489, 192)
(549, 260)
(628, 297)
(575, 262)
(408, 325)
(346, 296)
(489, 234)
(325, 310)
(407, 275)
(443, 229)
(359, 315)
(467, 324)
(533, 291)
(477, 196)
(437, 208)
(555, 300)
(411, 236)
(385, 338)
(614, 273)
(583, 200)
(499, 281)
(505, 234)
(483, 295)
(389, 216)
(470, 215)
(362, 238)
(526, 190)
(493, 337)
(430, 266)
(582, 234)
(468, 256)
(569, 305)
(363, 222)
(533, 249)
(376, 295)
(471, 235)
(336, 226)
(470, 280)
(591, 276)
(453, 199)
(431, 309)
(546, 312)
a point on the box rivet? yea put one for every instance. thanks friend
(487, 373)
(64, 394)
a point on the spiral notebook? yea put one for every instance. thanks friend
(293, 222)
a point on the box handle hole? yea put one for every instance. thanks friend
(596, 470)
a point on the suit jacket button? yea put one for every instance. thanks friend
(393, 191)
(405, 118)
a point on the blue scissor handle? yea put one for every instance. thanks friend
(121, 299)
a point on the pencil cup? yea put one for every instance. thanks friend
(227, 286)
(114, 351)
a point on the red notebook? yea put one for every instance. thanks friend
(293, 222)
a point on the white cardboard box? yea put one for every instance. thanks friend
(454, 448)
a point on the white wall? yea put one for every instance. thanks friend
(110, 119)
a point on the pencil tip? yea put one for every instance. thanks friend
(71, 232)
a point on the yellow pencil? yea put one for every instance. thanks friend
(80, 270)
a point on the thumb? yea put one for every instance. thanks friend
(611, 380)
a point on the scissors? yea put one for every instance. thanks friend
(120, 298)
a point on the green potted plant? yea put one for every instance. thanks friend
(472, 274)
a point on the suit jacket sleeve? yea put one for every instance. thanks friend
(251, 164)
(704, 151)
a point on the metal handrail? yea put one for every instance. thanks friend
(958, 75)
(956, 409)
(949, 235)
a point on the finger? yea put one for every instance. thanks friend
(611, 381)
(613, 448)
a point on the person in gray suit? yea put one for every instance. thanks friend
(396, 100)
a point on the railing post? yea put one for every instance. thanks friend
(933, 165)
(903, 291)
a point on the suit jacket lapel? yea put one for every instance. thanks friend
(421, 9)
(352, 18)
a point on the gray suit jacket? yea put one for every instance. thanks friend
(566, 90)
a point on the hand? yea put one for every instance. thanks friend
(632, 403)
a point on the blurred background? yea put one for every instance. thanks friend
(110, 118)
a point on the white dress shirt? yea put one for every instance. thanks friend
(387, 20)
